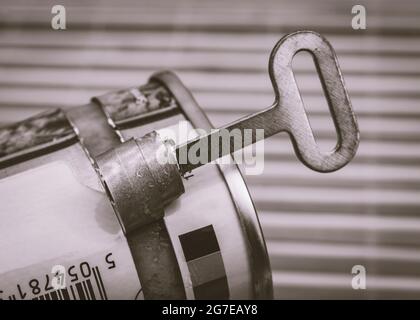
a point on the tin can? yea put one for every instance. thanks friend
(61, 238)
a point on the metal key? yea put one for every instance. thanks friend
(288, 114)
(141, 185)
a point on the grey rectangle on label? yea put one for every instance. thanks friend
(206, 268)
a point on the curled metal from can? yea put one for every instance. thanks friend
(138, 184)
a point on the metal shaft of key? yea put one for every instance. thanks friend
(215, 146)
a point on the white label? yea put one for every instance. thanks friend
(60, 239)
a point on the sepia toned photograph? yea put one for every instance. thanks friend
(216, 150)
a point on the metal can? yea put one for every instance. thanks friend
(60, 236)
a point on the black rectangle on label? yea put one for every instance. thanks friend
(199, 243)
(216, 289)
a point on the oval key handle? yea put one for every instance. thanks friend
(290, 114)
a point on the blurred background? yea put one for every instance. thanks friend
(317, 226)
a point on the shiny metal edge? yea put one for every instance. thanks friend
(257, 250)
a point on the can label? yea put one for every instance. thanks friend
(60, 239)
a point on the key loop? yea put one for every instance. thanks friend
(288, 108)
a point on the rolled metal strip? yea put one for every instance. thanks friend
(94, 132)
(138, 184)
(156, 263)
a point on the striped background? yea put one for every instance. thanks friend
(317, 225)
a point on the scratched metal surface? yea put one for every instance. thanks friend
(317, 225)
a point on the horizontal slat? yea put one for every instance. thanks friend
(276, 195)
(340, 258)
(374, 151)
(212, 6)
(208, 41)
(181, 60)
(303, 285)
(366, 176)
(181, 18)
(222, 81)
(333, 228)
(250, 102)
(336, 227)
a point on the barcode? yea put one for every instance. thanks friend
(89, 289)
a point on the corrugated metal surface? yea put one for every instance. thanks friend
(317, 225)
